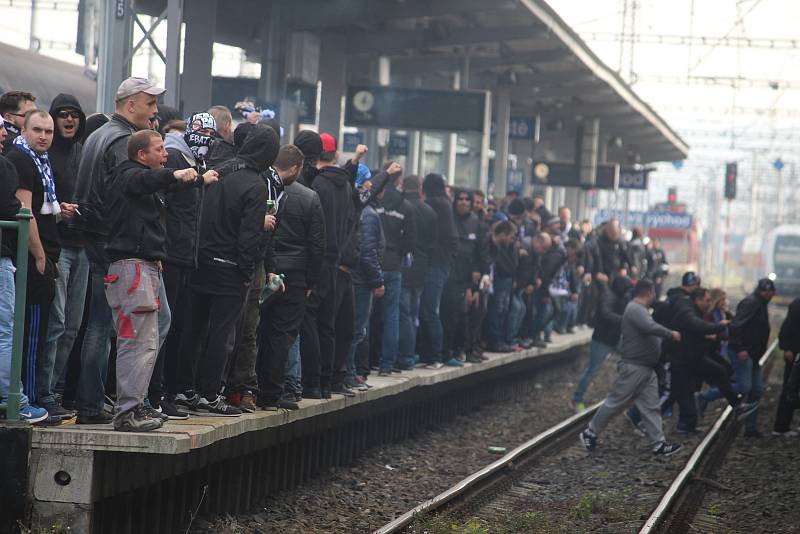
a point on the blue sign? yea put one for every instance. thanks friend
(778, 164)
(519, 127)
(633, 178)
(647, 219)
(398, 145)
(350, 141)
(515, 180)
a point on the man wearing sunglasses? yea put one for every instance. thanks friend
(13, 107)
(66, 311)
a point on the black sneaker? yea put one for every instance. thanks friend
(155, 414)
(217, 407)
(588, 440)
(385, 372)
(187, 401)
(287, 402)
(103, 418)
(666, 449)
(539, 344)
(341, 389)
(326, 393)
(57, 411)
(136, 420)
(171, 411)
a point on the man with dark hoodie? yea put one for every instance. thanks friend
(469, 265)
(107, 147)
(317, 333)
(400, 231)
(185, 150)
(231, 243)
(444, 249)
(414, 274)
(222, 148)
(136, 247)
(66, 312)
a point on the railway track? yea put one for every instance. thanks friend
(673, 512)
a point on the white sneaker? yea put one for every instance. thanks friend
(434, 366)
(786, 434)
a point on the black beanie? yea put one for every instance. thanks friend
(517, 207)
(309, 143)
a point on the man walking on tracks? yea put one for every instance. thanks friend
(636, 379)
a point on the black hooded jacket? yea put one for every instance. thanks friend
(65, 157)
(136, 212)
(607, 256)
(332, 184)
(9, 206)
(665, 313)
(399, 227)
(610, 307)
(444, 248)
(232, 222)
(183, 206)
(414, 276)
(219, 152)
(750, 327)
(693, 345)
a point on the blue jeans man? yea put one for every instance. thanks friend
(498, 311)
(409, 320)
(293, 380)
(516, 314)
(748, 385)
(430, 323)
(363, 309)
(392, 282)
(66, 313)
(598, 352)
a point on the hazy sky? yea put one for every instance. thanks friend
(763, 130)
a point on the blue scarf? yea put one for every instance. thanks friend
(50, 205)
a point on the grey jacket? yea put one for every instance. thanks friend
(641, 336)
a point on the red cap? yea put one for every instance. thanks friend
(328, 142)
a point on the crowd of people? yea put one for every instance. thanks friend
(199, 266)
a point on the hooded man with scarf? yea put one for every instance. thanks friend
(186, 150)
(37, 189)
(231, 243)
(66, 312)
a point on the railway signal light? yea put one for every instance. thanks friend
(731, 171)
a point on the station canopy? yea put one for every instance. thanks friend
(520, 45)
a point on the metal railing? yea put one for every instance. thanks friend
(21, 226)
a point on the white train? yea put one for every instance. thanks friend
(780, 260)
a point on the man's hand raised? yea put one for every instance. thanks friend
(209, 177)
(185, 175)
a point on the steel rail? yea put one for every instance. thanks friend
(495, 469)
(662, 511)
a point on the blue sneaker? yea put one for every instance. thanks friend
(33, 414)
(453, 362)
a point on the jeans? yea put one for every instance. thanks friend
(748, 384)
(7, 296)
(363, 309)
(96, 347)
(516, 314)
(544, 316)
(409, 321)
(292, 382)
(568, 315)
(392, 282)
(498, 310)
(66, 314)
(598, 352)
(430, 325)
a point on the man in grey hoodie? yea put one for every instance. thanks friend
(636, 381)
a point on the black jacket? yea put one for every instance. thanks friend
(444, 249)
(136, 212)
(789, 336)
(232, 221)
(665, 313)
(471, 254)
(693, 328)
(372, 249)
(425, 217)
(607, 256)
(332, 184)
(9, 206)
(183, 206)
(610, 307)
(65, 157)
(750, 327)
(298, 243)
(552, 260)
(399, 227)
(103, 150)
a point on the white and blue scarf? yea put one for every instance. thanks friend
(50, 205)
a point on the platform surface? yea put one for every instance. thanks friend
(177, 437)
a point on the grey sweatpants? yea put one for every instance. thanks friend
(132, 288)
(635, 384)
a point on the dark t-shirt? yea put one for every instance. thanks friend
(31, 180)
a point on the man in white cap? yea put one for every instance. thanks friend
(107, 147)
